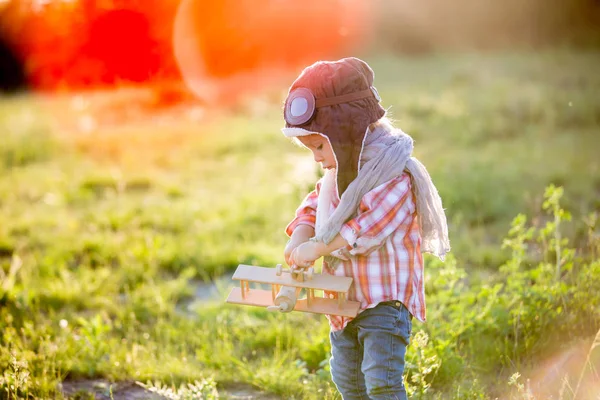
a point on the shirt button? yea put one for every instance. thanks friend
(355, 245)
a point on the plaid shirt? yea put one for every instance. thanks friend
(384, 253)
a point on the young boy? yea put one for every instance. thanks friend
(372, 214)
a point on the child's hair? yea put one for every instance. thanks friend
(385, 120)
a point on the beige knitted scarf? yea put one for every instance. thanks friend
(386, 154)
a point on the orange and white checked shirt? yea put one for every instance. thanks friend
(383, 256)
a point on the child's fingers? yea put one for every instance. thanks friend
(287, 254)
(293, 257)
(289, 260)
(301, 262)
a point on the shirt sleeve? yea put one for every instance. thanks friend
(382, 211)
(306, 214)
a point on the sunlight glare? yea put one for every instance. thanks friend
(228, 47)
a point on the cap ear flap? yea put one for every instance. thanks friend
(346, 155)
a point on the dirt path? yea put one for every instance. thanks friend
(102, 389)
(129, 390)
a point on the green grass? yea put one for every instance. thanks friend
(106, 230)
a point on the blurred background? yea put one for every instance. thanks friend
(141, 162)
(72, 45)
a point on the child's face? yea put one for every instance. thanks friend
(321, 149)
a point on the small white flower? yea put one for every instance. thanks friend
(63, 323)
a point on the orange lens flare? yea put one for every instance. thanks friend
(230, 45)
(82, 44)
(217, 46)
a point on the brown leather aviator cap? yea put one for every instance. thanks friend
(343, 104)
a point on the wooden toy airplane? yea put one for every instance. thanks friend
(285, 289)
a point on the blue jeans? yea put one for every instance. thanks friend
(367, 356)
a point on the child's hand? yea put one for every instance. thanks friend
(301, 234)
(289, 248)
(305, 254)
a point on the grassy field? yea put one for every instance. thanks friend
(104, 227)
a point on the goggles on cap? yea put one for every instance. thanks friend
(301, 104)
